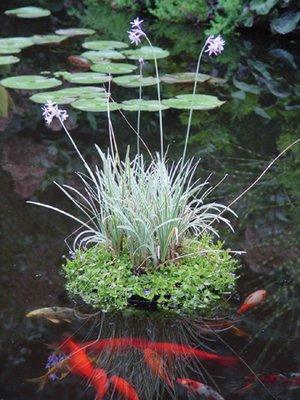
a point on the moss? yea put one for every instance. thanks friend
(193, 282)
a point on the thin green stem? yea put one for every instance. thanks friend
(159, 100)
(139, 110)
(192, 103)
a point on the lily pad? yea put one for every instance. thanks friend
(18, 42)
(201, 102)
(75, 32)
(100, 55)
(30, 82)
(86, 78)
(146, 52)
(184, 77)
(6, 60)
(94, 105)
(104, 44)
(134, 81)
(9, 49)
(69, 95)
(143, 105)
(113, 68)
(28, 12)
(47, 39)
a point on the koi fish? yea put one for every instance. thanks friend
(253, 300)
(239, 332)
(162, 348)
(157, 366)
(79, 62)
(292, 381)
(58, 314)
(196, 387)
(100, 382)
(78, 361)
(183, 350)
(122, 387)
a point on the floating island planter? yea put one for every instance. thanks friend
(146, 227)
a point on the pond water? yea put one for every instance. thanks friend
(260, 117)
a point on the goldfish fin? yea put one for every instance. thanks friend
(53, 320)
(40, 381)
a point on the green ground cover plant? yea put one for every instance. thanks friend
(197, 280)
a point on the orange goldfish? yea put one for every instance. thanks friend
(122, 387)
(100, 382)
(157, 366)
(253, 300)
(196, 387)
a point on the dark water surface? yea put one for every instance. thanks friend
(260, 117)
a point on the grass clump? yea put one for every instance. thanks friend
(197, 279)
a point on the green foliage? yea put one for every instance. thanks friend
(178, 10)
(196, 281)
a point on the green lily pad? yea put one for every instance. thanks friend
(9, 49)
(104, 44)
(75, 32)
(94, 105)
(201, 102)
(184, 77)
(113, 68)
(18, 42)
(30, 82)
(134, 81)
(86, 78)
(69, 95)
(28, 12)
(47, 39)
(143, 105)
(146, 52)
(6, 60)
(100, 55)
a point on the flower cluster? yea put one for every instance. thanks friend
(52, 361)
(51, 110)
(136, 31)
(215, 45)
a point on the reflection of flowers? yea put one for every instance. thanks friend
(215, 45)
(52, 361)
(51, 110)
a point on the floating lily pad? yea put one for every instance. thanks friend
(201, 102)
(30, 82)
(69, 95)
(6, 60)
(94, 105)
(184, 77)
(17, 42)
(28, 12)
(9, 49)
(146, 52)
(113, 68)
(100, 55)
(75, 32)
(86, 78)
(104, 44)
(47, 39)
(143, 105)
(134, 81)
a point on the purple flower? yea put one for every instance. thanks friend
(137, 22)
(52, 361)
(214, 45)
(51, 110)
(134, 36)
(141, 61)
